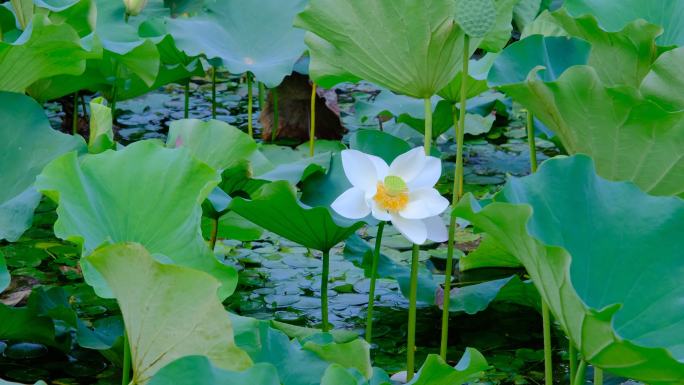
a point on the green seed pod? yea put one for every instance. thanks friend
(134, 7)
(476, 17)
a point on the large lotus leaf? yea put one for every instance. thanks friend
(476, 82)
(43, 50)
(275, 207)
(663, 84)
(435, 371)
(198, 370)
(27, 144)
(169, 311)
(412, 47)
(101, 199)
(555, 54)
(214, 142)
(614, 15)
(255, 36)
(629, 137)
(298, 362)
(580, 237)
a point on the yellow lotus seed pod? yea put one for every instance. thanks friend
(476, 17)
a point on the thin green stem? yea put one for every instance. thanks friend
(126, 371)
(312, 120)
(428, 125)
(548, 358)
(531, 141)
(373, 279)
(581, 373)
(250, 106)
(276, 114)
(262, 96)
(459, 127)
(598, 376)
(74, 121)
(572, 353)
(460, 134)
(186, 102)
(84, 110)
(413, 294)
(214, 233)
(324, 290)
(447, 288)
(213, 92)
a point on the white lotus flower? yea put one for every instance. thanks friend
(402, 193)
(134, 7)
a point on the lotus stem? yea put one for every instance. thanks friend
(572, 353)
(531, 141)
(276, 113)
(74, 121)
(324, 290)
(126, 371)
(186, 102)
(214, 233)
(312, 120)
(373, 279)
(581, 373)
(84, 110)
(548, 358)
(262, 96)
(413, 294)
(213, 92)
(428, 125)
(598, 376)
(459, 128)
(250, 106)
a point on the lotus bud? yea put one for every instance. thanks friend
(134, 7)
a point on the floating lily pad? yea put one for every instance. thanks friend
(198, 370)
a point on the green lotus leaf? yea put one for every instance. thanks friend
(27, 144)
(476, 82)
(339, 375)
(233, 226)
(475, 298)
(198, 370)
(169, 311)
(611, 124)
(298, 362)
(275, 208)
(100, 200)
(43, 50)
(214, 142)
(613, 16)
(663, 83)
(435, 371)
(233, 31)
(101, 133)
(489, 253)
(579, 236)
(416, 49)
(553, 54)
